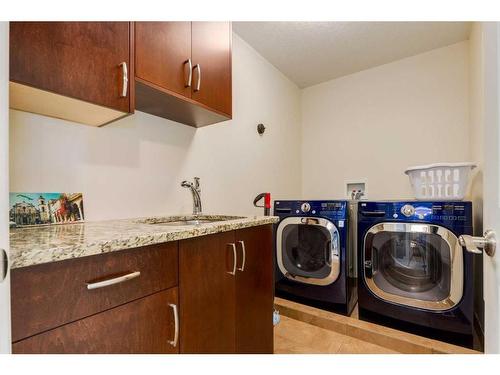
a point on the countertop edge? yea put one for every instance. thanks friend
(32, 257)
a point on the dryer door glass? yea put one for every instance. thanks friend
(306, 250)
(414, 264)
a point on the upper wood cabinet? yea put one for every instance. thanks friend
(184, 71)
(163, 51)
(96, 72)
(72, 70)
(211, 46)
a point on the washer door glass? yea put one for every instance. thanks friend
(414, 264)
(306, 250)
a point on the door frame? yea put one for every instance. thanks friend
(491, 152)
(5, 335)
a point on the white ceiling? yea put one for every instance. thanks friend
(312, 52)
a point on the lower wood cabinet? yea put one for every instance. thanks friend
(226, 288)
(208, 294)
(146, 325)
(46, 296)
(255, 291)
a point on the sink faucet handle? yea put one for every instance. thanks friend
(197, 183)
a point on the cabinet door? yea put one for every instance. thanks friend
(211, 50)
(46, 296)
(207, 296)
(144, 326)
(162, 52)
(75, 59)
(254, 290)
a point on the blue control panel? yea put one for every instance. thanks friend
(330, 209)
(415, 211)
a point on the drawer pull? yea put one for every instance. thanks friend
(242, 243)
(176, 325)
(116, 280)
(235, 259)
(4, 265)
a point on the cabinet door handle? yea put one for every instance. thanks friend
(198, 82)
(176, 325)
(190, 76)
(242, 243)
(4, 265)
(235, 259)
(113, 281)
(125, 79)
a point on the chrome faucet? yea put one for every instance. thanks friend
(195, 190)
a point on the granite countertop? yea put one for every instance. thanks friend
(44, 244)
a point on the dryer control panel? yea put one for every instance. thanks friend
(414, 211)
(335, 210)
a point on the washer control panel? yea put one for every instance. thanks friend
(408, 210)
(306, 207)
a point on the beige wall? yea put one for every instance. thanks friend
(371, 125)
(367, 126)
(134, 167)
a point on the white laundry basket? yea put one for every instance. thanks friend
(441, 181)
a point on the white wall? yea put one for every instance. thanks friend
(373, 124)
(476, 133)
(491, 150)
(476, 114)
(134, 167)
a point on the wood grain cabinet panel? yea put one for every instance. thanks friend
(144, 326)
(211, 50)
(50, 295)
(207, 294)
(80, 60)
(162, 49)
(225, 299)
(255, 290)
(221, 312)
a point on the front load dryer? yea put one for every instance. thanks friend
(314, 254)
(413, 274)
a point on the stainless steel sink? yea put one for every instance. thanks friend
(188, 222)
(176, 221)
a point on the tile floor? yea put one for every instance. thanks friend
(295, 337)
(306, 329)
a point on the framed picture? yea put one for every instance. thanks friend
(45, 208)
